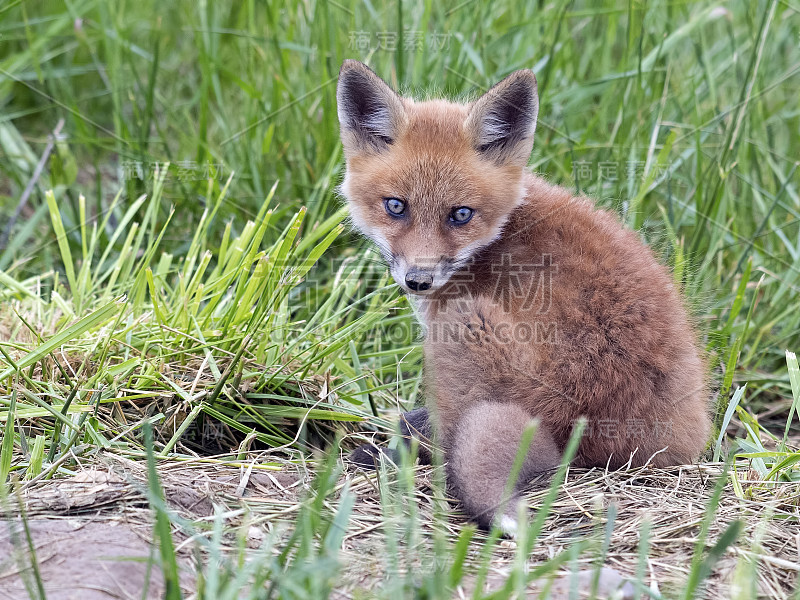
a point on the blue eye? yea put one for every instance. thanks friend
(394, 206)
(461, 215)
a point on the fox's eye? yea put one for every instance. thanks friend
(461, 215)
(394, 206)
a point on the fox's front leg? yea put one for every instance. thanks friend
(414, 425)
(480, 450)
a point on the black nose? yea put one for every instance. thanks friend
(418, 280)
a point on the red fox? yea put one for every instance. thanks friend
(534, 303)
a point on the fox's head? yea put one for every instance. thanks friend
(431, 183)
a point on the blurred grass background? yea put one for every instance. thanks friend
(680, 116)
(176, 255)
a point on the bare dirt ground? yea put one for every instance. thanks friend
(93, 532)
(80, 558)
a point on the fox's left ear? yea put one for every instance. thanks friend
(501, 123)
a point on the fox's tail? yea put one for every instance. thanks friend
(481, 456)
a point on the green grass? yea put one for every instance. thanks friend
(220, 298)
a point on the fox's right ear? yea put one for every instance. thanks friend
(370, 112)
(501, 123)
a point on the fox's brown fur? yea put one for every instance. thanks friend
(605, 334)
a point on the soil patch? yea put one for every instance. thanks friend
(77, 560)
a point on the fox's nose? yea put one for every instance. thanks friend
(418, 280)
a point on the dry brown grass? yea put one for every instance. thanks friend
(261, 493)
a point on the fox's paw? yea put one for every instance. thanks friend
(369, 456)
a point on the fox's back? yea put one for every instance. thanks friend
(573, 316)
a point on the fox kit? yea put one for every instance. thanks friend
(534, 304)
